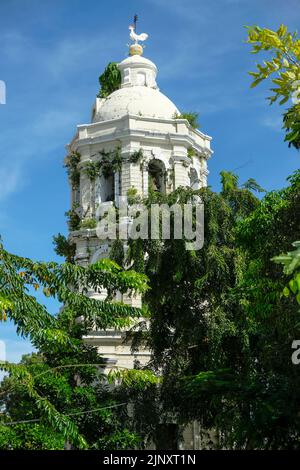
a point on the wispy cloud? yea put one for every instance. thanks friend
(272, 122)
(70, 53)
(11, 180)
(36, 140)
(49, 97)
(54, 122)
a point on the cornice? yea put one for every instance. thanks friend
(148, 136)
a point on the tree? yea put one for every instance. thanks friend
(284, 66)
(252, 387)
(222, 328)
(55, 388)
(223, 323)
(197, 326)
(270, 391)
(63, 247)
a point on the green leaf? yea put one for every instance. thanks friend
(293, 286)
(286, 292)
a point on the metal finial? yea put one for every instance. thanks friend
(135, 18)
(136, 48)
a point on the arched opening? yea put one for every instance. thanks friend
(157, 176)
(76, 196)
(105, 188)
(194, 179)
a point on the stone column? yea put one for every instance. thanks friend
(125, 178)
(145, 179)
(203, 173)
(136, 177)
(117, 187)
(181, 169)
(85, 195)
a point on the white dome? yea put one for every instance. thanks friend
(138, 94)
(138, 100)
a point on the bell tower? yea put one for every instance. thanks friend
(136, 140)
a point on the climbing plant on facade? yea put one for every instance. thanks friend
(110, 80)
(191, 117)
(108, 163)
(73, 171)
(136, 156)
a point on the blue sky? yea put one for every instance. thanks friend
(51, 54)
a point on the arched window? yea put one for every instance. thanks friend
(194, 179)
(157, 176)
(105, 188)
(76, 196)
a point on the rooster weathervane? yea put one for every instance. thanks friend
(133, 34)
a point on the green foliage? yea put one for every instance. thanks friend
(191, 152)
(284, 68)
(291, 260)
(252, 185)
(31, 436)
(221, 330)
(191, 117)
(222, 319)
(136, 156)
(191, 324)
(117, 253)
(291, 263)
(110, 80)
(71, 164)
(132, 196)
(291, 122)
(56, 387)
(121, 440)
(229, 181)
(109, 163)
(92, 170)
(63, 247)
(135, 378)
(236, 195)
(88, 223)
(73, 218)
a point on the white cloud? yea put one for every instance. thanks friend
(13, 45)
(71, 54)
(274, 123)
(57, 60)
(49, 93)
(54, 122)
(10, 180)
(40, 118)
(35, 140)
